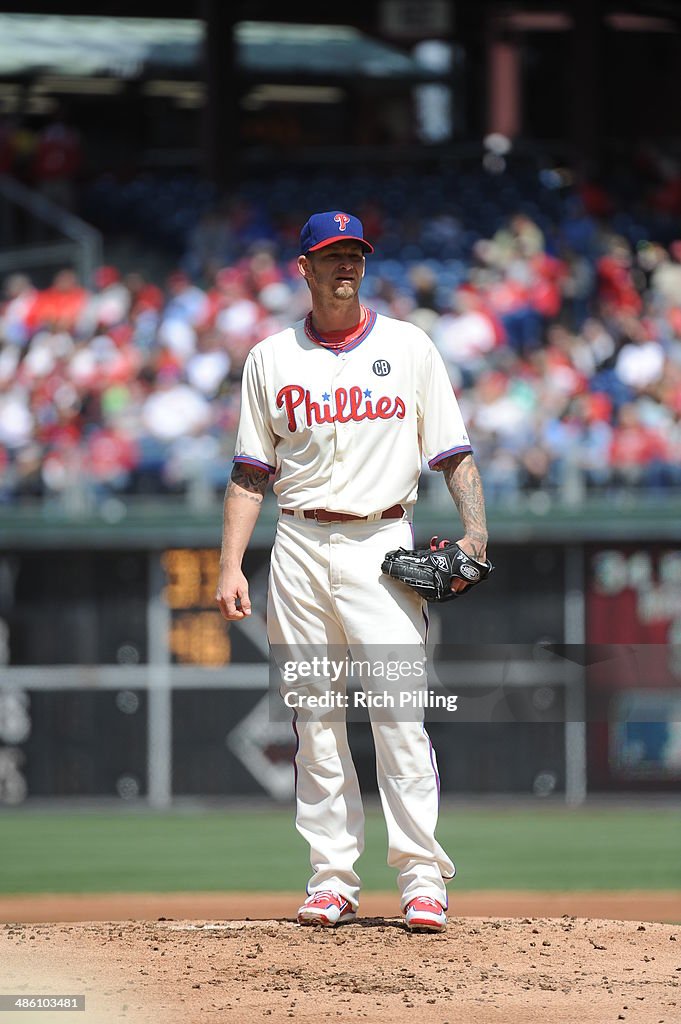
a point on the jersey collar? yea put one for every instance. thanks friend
(342, 341)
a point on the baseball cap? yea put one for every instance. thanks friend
(105, 276)
(332, 226)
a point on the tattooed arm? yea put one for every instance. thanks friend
(243, 499)
(464, 484)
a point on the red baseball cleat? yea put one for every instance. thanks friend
(326, 908)
(424, 913)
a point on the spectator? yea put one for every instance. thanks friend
(107, 305)
(186, 302)
(577, 289)
(521, 238)
(638, 453)
(599, 343)
(593, 414)
(509, 298)
(146, 304)
(261, 268)
(237, 314)
(424, 287)
(61, 305)
(617, 291)
(16, 309)
(208, 368)
(16, 419)
(110, 457)
(466, 334)
(144, 295)
(174, 409)
(640, 361)
(665, 277)
(498, 411)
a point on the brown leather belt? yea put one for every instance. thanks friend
(323, 515)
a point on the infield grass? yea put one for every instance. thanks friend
(549, 847)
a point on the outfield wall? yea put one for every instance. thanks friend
(121, 678)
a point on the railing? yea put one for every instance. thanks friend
(52, 237)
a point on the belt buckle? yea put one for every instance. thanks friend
(325, 522)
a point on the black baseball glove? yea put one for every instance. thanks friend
(430, 571)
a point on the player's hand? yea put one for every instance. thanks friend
(232, 596)
(474, 549)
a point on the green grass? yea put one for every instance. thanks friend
(545, 848)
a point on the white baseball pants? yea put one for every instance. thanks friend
(327, 592)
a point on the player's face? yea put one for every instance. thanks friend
(334, 271)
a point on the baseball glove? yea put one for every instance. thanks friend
(430, 571)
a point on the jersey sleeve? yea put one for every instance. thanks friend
(442, 430)
(255, 440)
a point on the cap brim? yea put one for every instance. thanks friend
(341, 238)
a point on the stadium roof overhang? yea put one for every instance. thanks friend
(32, 44)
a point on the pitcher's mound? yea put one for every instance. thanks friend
(480, 971)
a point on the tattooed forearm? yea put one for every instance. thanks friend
(465, 486)
(247, 478)
(243, 500)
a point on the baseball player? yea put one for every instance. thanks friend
(341, 409)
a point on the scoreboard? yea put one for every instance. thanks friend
(198, 634)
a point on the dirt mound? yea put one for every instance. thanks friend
(481, 971)
(634, 905)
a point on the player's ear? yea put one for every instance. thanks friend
(303, 266)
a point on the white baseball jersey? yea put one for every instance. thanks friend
(348, 431)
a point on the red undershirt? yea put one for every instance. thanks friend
(337, 340)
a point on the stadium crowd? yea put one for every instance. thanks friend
(563, 342)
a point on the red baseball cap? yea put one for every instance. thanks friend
(105, 276)
(329, 227)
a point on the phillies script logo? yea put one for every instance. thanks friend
(353, 404)
(342, 220)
